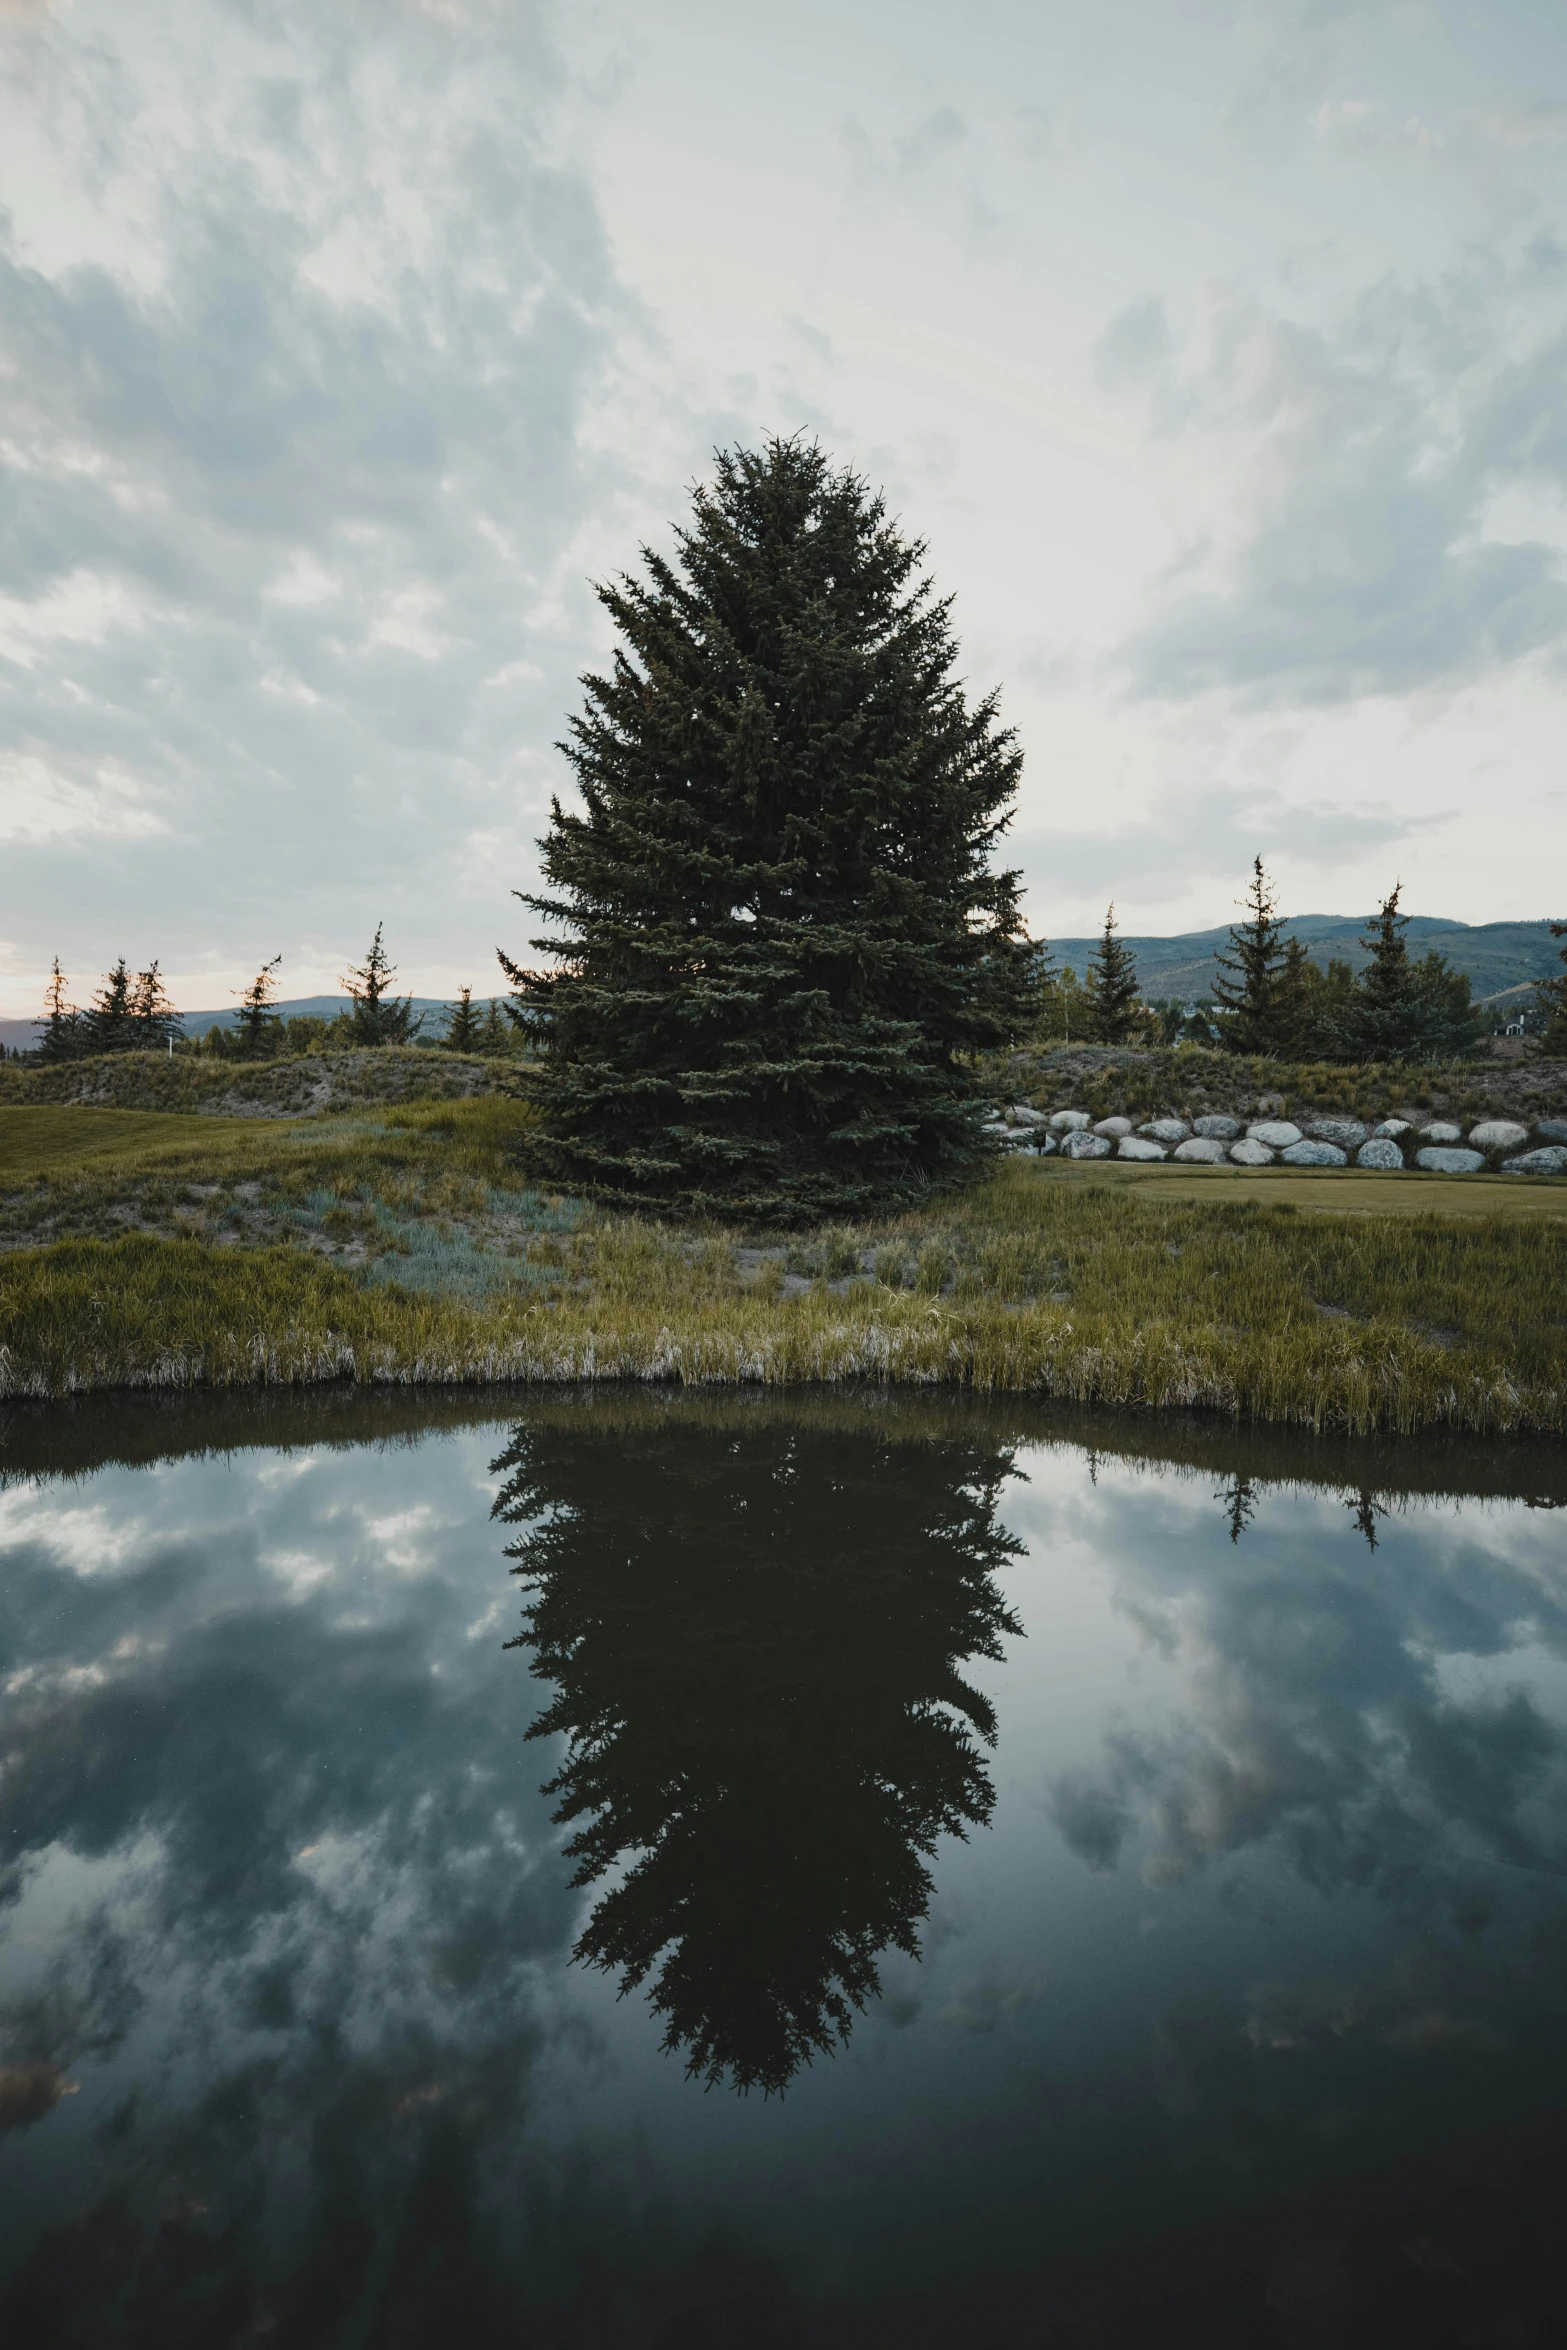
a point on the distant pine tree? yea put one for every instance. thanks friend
(1551, 994)
(495, 1036)
(63, 1037)
(154, 1020)
(1246, 982)
(379, 1016)
(1406, 1010)
(1113, 1006)
(464, 1029)
(257, 1020)
(110, 1025)
(780, 933)
(1296, 1024)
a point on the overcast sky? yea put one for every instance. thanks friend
(1218, 350)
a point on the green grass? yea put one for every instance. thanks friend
(203, 1083)
(404, 1250)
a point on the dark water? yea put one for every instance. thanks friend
(1128, 1891)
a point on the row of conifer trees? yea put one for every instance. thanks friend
(1269, 998)
(133, 1012)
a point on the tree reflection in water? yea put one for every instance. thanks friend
(757, 1648)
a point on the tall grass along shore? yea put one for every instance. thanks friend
(401, 1245)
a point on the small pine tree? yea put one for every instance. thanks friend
(154, 1020)
(1551, 995)
(62, 1038)
(463, 1028)
(494, 1037)
(1297, 1007)
(1112, 1006)
(257, 1020)
(780, 935)
(110, 1023)
(379, 1017)
(1390, 1020)
(1246, 981)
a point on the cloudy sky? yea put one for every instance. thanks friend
(1218, 351)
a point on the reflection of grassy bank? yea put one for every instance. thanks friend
(390, 1253)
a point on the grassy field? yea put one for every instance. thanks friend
(150, 1250)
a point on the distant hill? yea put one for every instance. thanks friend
(1496, 955)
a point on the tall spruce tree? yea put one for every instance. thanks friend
(1246, 981)
(154, 1021)
(110, 1023)
(463, 1027)
(779, 930)
(1112, 992)
(257, 1020)
(1393, 1017)
(63, 1037)
(379, 1016)
(1551, 994)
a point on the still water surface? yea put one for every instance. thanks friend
(659, 1871)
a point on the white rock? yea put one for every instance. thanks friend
(1214, 1128)
(1450, 1162)
(1079, 1145)
(1068, 1121)
(1348, 1133)
(1204, 1150)
(1552, 1160)
(1167, 1130)
(1497, 1134)
(1114, 1127)
(1132, 1146)
(1390, 1128)
(1440, 1131)
(1277, 1133)
(1251, 1153)
(1314, 1154)
(1021, 1115)
(1380, 1151)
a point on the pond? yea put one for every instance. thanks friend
(644, 1869)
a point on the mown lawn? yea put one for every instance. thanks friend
(407, 1247)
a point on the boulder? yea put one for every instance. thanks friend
(1497, 1134)
(1276, 1133)
(1390, 1128)
(1552, 1160)
(1166, 1130)
(1068, 1121)
(1215, 1128)
(1079, 1145)
(1021, 1115)
(1314, 1154)
(1251, 1153)
(1348, 1133)
(1204, 1150)
(1114, 1127)
(1380, 1151)
(1440, 1131)
(1132, 1146)
(1450, 1162)
(1552, 1129)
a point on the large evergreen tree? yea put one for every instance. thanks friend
(1112, 992)
(779, 930)
(1246, 981)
